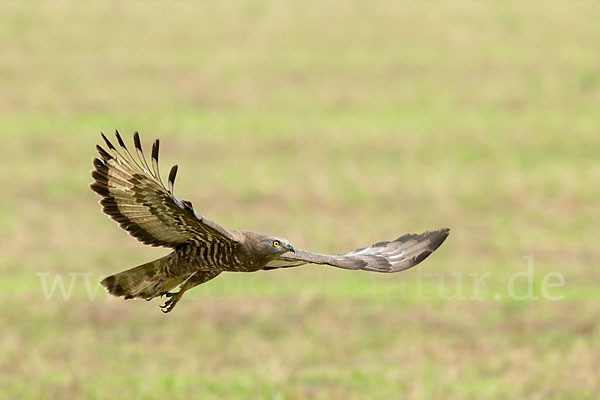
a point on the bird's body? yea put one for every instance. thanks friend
(135, 197)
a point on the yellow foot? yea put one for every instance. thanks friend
(173, 299)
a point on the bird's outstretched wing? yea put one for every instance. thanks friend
(398, 255)
(135, 197)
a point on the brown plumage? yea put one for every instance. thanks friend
(134, 195)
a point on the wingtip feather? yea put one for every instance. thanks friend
(120, 140)
(172, 176)
(438, 237)
(155, 147)
(108, 143)
(136, 140)
(103, 153)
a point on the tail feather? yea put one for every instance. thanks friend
(144, 281)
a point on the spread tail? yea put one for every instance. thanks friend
(145, 281)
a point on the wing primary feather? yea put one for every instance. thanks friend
(119, 139)
(97, 163)
(155, 147)
(108, 143)
(140, 152)
(103, 153)
(126, 150)
(172, 176)
(111, 147)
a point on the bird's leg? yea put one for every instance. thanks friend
(194, 280)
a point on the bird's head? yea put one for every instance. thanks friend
(272, 245)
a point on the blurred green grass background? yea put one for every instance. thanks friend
(333, 124)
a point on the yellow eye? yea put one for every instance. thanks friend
(276, 243)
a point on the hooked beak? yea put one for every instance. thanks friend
(291, 248)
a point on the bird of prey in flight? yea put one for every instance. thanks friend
(134, 195)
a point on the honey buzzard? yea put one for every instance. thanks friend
(134, 195)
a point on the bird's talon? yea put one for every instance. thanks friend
(169, 304)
